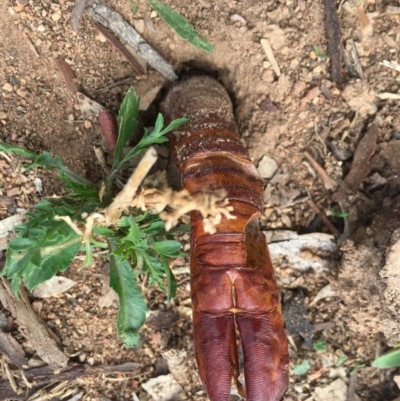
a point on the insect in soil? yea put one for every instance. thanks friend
(233, 284)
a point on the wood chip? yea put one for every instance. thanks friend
(109, 128)
(12, 350)
(114, 21)
(270, 55)
(68, 75)
(33, 327)
(361, 165)
(389, 96)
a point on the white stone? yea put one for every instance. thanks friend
(267, 167)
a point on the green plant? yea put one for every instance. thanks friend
(181, 25)
(302, 368)
(389, 360)
(57, 228)
(318, 52)
(320, 346)
(341, 360)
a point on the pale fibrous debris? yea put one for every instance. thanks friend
(212, 206)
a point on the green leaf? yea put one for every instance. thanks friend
(318, 52)
(181, 26)
(43, 245)
(168, 248)
(339, 214)
(134, 7)
(128, 113)
(75, 184)
(8, 148)
(175, 124)
(390, 360)
(132, 307)
(89, 255)
(320, 345)
(341, 359)
(103, 231)
(302, 368)
(171, 281)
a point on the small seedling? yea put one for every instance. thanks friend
(341, 360)
(319, 54)
(56, 229)
(320, 346)
(302, 368)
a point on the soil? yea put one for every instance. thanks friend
(281, 117)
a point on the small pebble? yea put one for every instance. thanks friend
(41, 28)
(313, 56)
(3, 115)
(13, 191)
(267, 167)
(7, 87)
(56, 16)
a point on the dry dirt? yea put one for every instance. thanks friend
(279, 116)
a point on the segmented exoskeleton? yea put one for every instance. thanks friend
(232, 280)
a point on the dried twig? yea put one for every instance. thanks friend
(351, 392)
(324, 218)
(77, 12)
(12, 350)
(270, 55)
(334, 35)
(44, 375)
(33, 327)
(120, 47)
(329, 183)
(123, 200)
(114, 21)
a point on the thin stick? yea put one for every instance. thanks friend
(114, 21)
(120, 47)
(324, 219)
(124, 198)
(329, 183)
(334, 36)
